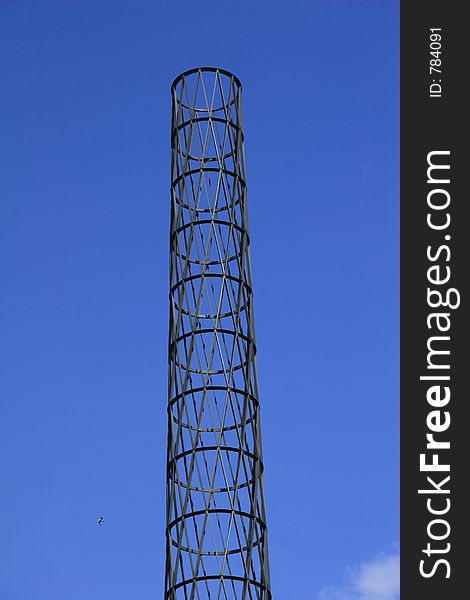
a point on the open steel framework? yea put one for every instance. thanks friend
(216, 526)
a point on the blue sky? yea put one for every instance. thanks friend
(84, 220)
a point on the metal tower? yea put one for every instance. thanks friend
(216, 526)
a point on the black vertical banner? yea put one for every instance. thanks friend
(435, 251)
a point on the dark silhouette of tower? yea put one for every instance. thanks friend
(216, 526)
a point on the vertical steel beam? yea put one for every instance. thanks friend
(216, 526)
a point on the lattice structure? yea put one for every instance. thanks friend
(216, 527)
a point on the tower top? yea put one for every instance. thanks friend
(204, 70)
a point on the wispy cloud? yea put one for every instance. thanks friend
(378, 579)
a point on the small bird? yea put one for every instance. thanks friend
(100, 521)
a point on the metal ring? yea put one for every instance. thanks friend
(182, 77)
(180, 148)
(186, 582)
(195, 488)
(205, 70)
(192, 224)
(213, 169)
(184, 124)
(211, 388)
(185, 280)
(174, 354)
(237, 184)
(196, 513)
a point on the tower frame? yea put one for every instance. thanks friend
(216, 534)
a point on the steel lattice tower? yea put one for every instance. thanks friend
(216, 527)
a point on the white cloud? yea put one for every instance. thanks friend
(378, 579)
